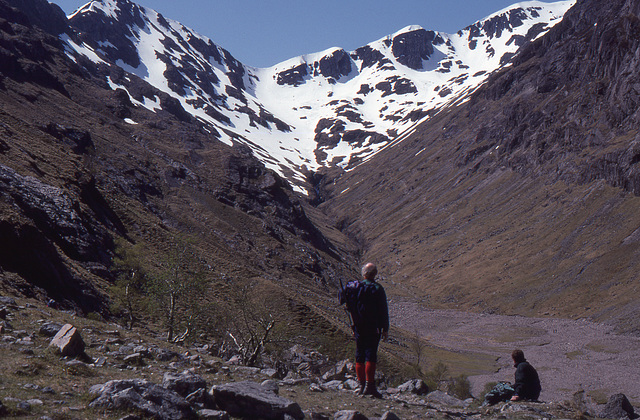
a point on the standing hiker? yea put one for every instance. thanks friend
(367, 304)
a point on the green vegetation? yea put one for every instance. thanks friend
(177, 291)
(173, 293)
(128, 292)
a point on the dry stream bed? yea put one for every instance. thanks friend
(570, 355)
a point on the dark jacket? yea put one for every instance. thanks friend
(527, 382)
(375, 313)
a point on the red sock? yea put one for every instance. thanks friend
(370, 372)
(360, 372)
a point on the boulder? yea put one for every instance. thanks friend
(164, 355)
(147, 397)
(50, 329)
(271, 386)
(335, 384)
(617, 407)
(349, 415)
(389, 416)
(68, 341)
(252, 400)
(8, 301)
(350, 384)
(185, 383)
(338, 372)
(134, 359)
(442, 398)
(414, 386)
(212, 414)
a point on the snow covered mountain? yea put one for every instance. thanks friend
(332, 108)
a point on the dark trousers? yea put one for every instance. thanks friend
(367, 347)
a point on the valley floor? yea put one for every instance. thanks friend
(570, 355)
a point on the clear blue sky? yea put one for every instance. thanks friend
(262, 33)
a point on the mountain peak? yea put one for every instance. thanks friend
(410, 28)
(111, 8)
(327, 109)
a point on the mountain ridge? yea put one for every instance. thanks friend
(276, 111)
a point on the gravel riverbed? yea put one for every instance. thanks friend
(569, 355)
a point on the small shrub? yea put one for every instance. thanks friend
(438, 373)
(30, 369)
(459, 387)
(80, 369)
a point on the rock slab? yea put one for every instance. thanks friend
(618, 407)
(252, 400)
(68, 341)
(150, 398)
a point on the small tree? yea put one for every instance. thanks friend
(254, 323)
(128, 291)
(417, 345)
(178, 290)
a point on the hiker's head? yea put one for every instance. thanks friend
(518, 356)
(369, 271)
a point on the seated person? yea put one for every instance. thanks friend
(526, 386)
(527, 383)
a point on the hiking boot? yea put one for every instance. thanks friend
(370, 389)
(363, 386)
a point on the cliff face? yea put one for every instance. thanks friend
(573, 101)
(523, 200)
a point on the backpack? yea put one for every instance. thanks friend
(359, 298)
(503, 391)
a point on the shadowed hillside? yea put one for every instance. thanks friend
(76, 178)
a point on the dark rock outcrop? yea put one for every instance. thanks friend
(617, 407)
(369, 57)
(252, 400)
(135, 394)
(57, 214)
(184, 384)
(411, 48)
(293, 76)
(335, 65)
(47, 16)
(332, 66)
(79, 140)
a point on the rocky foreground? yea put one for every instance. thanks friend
(56, 365)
